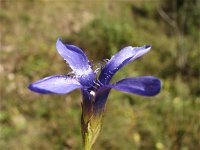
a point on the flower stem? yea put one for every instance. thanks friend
(90, 131)
(87, 145)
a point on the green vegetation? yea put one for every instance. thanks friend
(29, 29)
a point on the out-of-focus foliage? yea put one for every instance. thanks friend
(184, 14)
(29, 29)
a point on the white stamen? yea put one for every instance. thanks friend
(92, 93)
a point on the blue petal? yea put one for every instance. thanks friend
(87, 80)
(78, 62)
(120, 59)
(57, 84)
(75, 57)
(146, 86)
(100, 99)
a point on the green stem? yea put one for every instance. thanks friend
(90, 131)
(87, 145)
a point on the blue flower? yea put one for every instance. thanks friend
(95, 89)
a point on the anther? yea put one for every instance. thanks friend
(92, 93)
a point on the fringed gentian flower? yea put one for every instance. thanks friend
(95, 89)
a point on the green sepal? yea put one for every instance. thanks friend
(91, 125)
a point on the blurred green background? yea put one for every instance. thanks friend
(28, 33)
